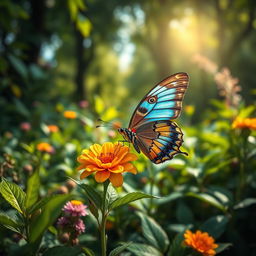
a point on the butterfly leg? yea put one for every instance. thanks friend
(123, 141)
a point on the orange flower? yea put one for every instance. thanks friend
(53, 128)
(108, 161)
(201, 242)
(45, 147)
(244, 123)
(70, 114)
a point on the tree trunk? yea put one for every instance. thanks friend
(80, 93)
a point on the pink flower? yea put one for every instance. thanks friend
(79, 226)
(75, 208)
(25, 126)
(62, 222)
(83, 104)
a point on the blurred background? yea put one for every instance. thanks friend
(59, 52)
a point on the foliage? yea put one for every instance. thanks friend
(48, 49)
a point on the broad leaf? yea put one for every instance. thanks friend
(173, 196)
(8, 222)
(215, 226)
(245, 203)
(184, 214)
(177, 247)
(33, 186)
(143, 250)
(222, 247)
(63, 251)
(49, 214)
(154, 233)
(111, 194)
(92, 195)
(119, 249)
(18, 65)
(38, 205)
(13, 194)
(133, 196)
(209, 199)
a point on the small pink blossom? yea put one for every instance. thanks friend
(79, 226)
(62, 222)
(25, 126)
(75, 208)
(83, 104)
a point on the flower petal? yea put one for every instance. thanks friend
(84, 174)
(102, 176)
(128, 167)
(117, 169)
(96, 149)
(120, 153)
(129, 157)
(116, 179)
(107, 148)
(93, 168)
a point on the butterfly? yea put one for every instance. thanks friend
(151, 129)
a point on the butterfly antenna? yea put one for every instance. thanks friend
(103, 123)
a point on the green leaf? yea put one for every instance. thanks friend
(27, 147)
(84, 25)
(39, 204)
(184, 214)
(133, 196)
(92, 195)
(33, 186)
(13, 194)
(177, 247)
(173, 196)
(143, 250)
(222, 247)
(9, 222)
(21, 108)
(63, 251)
(209, 199)
(49, 214)
(18, 65)
(245, 203)
(93, 210)
(154, 233)
(119, 249)
(246, 111)
(215, 226)
(87, 251)
(111, 195)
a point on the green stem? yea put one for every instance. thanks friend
(151, 179)
(242, 169)
(103, 221)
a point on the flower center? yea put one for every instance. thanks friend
(76, 202)
(106, 158)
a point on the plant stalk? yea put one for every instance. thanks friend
(103, 221)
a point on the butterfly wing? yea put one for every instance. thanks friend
(163, 102)
(159, 140)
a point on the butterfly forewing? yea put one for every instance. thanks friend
(163, 102)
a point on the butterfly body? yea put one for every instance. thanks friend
(152, 129)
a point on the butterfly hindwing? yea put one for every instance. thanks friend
(159, 140)
(163, 102)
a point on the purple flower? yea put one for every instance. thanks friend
(75, 208)
(79, 226)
